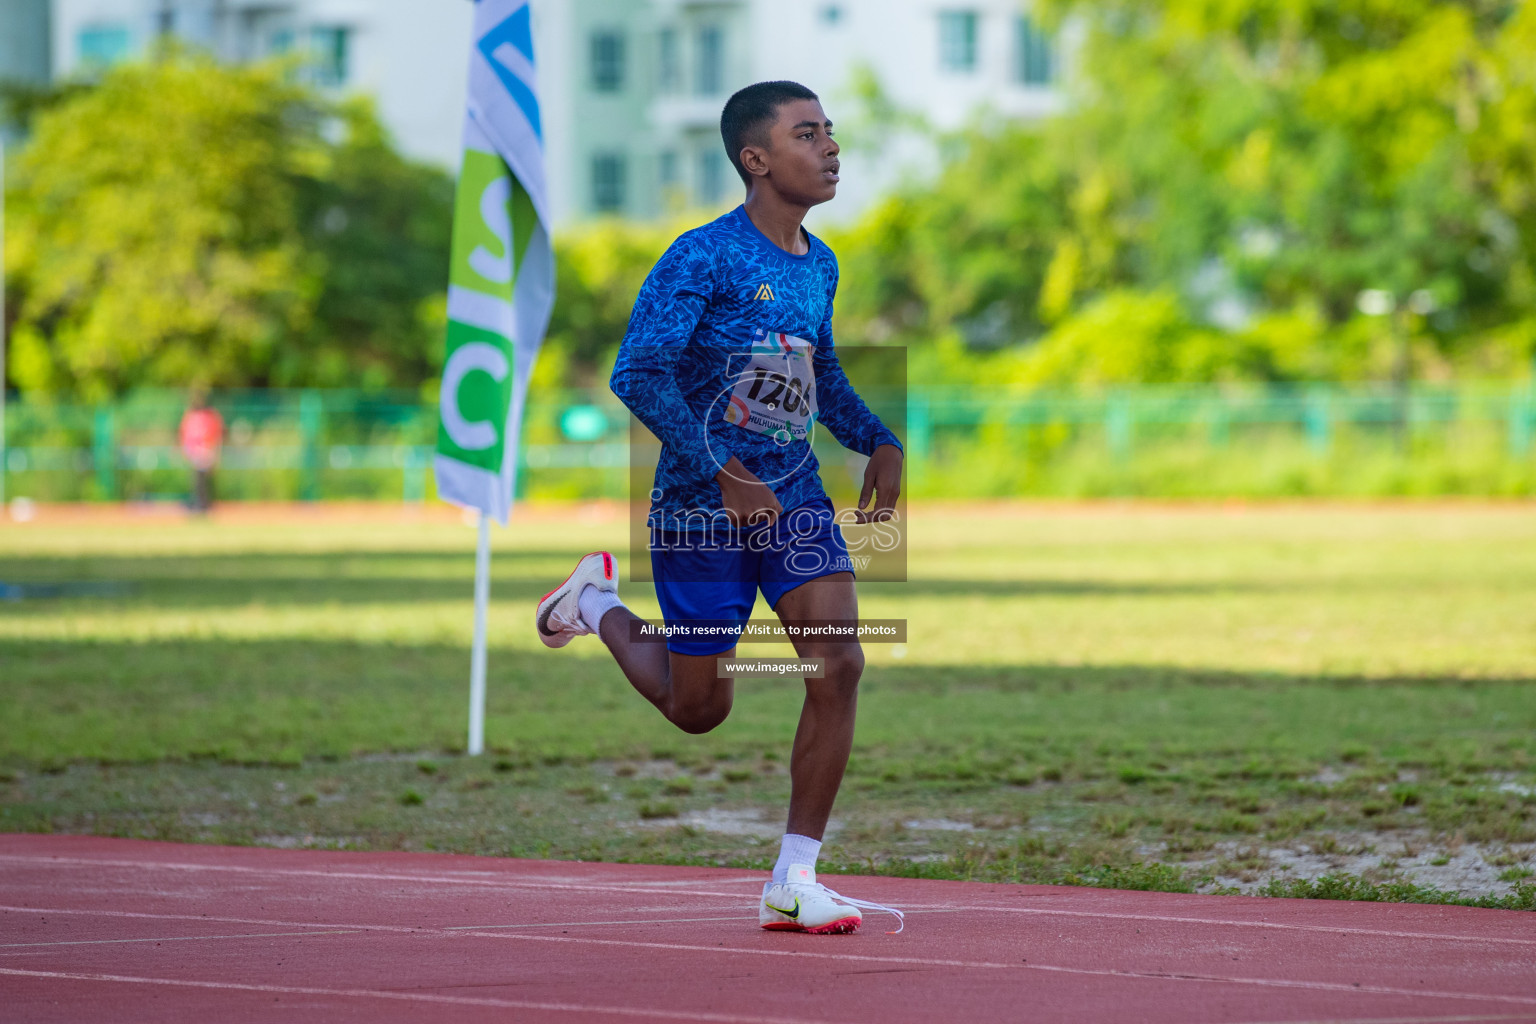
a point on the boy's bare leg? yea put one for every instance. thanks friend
(825, 735)
(684, 687)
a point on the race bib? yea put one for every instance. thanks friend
(775, 393)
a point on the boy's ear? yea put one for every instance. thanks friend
(755, 160)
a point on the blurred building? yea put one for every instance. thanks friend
(24, 45)
(632, 89)
(24, 41)
(636, 86)
(410, 55)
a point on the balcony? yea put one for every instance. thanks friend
(663, 8)
(685, 111)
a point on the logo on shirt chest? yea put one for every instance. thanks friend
(764, 293)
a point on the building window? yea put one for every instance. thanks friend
(709, 77)
(669, 64)
(608, 173)
(831, 13)
(712, 164)
(328, 54)
(103, 45)
(957, 40)
(669, 185)
(1034, 58)
(607, 60)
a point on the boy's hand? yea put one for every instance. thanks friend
(746, 500)
(882, 478)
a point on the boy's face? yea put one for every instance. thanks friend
(801, 158)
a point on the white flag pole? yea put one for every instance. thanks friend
(501, 284)
(477, 654)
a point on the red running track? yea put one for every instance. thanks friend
(120, 930)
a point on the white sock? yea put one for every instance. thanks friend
(595, 603)
(795, 850)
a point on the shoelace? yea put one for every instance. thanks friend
(562, 622)
(576, 622)
(901, 919)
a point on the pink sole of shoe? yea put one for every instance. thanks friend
(842, 926)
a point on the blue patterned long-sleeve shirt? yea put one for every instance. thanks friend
(719, 294)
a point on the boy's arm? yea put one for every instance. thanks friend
(838, 406)
(844, 413)
(840, 409)
(666, 313)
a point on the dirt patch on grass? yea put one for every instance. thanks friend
(1473, 869)
(656, 810)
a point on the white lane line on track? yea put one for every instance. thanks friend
(1400, 1020)
(422, 997)
(482, 932)
(1316, 986)
(482, 881)
(333, 929)
(175, 938)
(756, 879)
(349, 928)
(1168, 918)
(96, 912)
(372, 876)
(588, 924)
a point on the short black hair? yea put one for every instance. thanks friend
(749, 111)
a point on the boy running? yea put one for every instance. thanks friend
(729, 361)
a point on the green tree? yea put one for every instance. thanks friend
(182, 222)
(1260, 163)
(601, 267)
(379, 226)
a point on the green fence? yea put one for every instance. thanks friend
(1228, 441)
(295, 445)
(1174, 441)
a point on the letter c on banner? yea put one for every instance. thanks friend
(470, 435)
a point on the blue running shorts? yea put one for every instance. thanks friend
(708, 580)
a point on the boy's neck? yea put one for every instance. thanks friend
(778, 220)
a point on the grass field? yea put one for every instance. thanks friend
(1187, 698)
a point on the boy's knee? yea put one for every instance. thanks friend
(701, 718)
(842, 667)
(846, 661)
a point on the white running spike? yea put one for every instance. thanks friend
(558, 616)
(804, 904)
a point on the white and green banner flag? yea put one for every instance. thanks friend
(501, 284)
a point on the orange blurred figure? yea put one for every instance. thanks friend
(202, 432)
